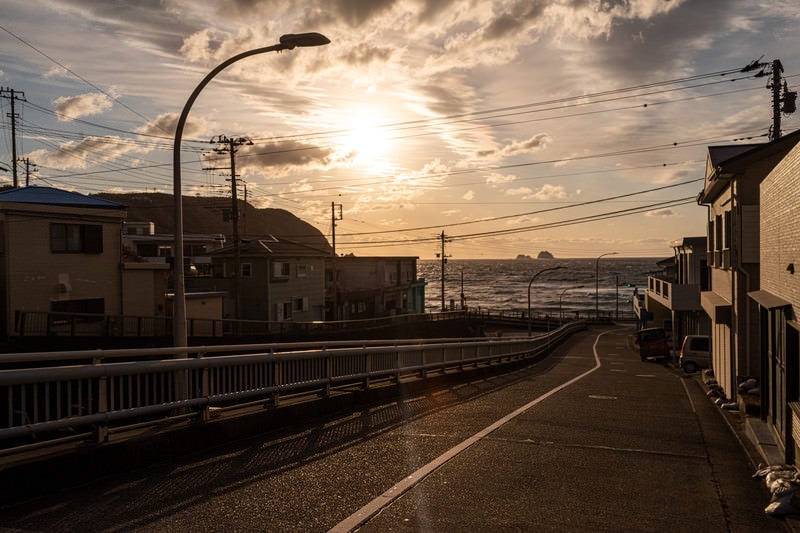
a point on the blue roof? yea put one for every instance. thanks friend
(52, 196)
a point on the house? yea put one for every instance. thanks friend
(673, 299)
(141, 241)
(778, 301)
(278, 280)
(731, 196)
(371, 287)
(60, 251)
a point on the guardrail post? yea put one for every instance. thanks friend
(205, 389)
(101, 429)
(278, 373)
(328, 375)
(367, 366)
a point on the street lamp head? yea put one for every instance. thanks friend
(291, 40)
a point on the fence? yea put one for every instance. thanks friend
(54, 402)
(50, 324)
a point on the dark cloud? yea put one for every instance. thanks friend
(357, 12)
(283, 157)
(517, 19)
(639, 49)
(364, 54)
(149, 18)
(444, 100)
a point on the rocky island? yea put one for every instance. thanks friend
(544, 254)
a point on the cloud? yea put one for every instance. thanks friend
(71, 107)
(551, 192)
(274, 159)
(166, 123)
(499, 179)
(660, 213)
(469, 195)
(534, 144)
(56, 72)
(519, 191)
(78, 155)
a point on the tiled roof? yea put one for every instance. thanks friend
(52, 196)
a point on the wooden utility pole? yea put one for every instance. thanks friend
(229, 146)
(13, 96)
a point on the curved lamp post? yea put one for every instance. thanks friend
(286, 42)
(530, 318)
(597, 284)
(560, 296)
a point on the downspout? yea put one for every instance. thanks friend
(743, 345)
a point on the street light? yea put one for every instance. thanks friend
(597, 285)
(560, 296)
(286, 42)
(529, 292)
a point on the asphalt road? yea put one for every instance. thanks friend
(589, 439)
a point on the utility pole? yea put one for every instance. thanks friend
(334, 218)
(444, 263)
(229, 146)
(28, 169)
(13, 96)
(783, 100)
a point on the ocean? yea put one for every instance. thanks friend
(502, 284)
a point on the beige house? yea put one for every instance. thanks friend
(731, 195)
(60, 251)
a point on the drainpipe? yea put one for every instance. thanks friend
(743, 345)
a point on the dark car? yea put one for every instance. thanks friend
(652, 343)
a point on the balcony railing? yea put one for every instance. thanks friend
(674, 296)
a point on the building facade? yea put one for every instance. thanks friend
(371, 287)
(59, 252)
(673, 299)
(731, 196)
(778, 301)
(278, 280)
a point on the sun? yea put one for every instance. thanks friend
(365, 142)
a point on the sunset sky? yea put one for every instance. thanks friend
(511, 126)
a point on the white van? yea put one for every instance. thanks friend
(695, 353)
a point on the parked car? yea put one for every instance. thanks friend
(695, 353)
(652, 343)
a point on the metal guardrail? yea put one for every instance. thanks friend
(76, 404)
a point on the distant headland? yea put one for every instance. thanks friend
(544, 254)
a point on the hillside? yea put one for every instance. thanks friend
(208, 215)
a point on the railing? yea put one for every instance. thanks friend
(49, 324)
(675, 296)
(75, 404)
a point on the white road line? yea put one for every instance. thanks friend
(374, 507)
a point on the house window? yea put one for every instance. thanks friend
(728, 230)
(300, 304)
(302, 271)
(280, 269)
(76, 238)
(247, 270)
(287, 311)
